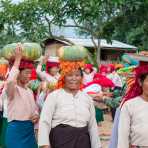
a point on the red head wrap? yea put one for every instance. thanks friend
(52, 62)
(136, 89)
(24, 64)
(110, 68)
(102, 80)
(88, 66)
(103, 69)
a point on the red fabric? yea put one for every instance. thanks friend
(33, 74)
(91, 93)
(110, 68)
(136, 89)
(103, 69)
(143, 63)
(51, 64)
(24, 64)
(88, 66)
(101, 80)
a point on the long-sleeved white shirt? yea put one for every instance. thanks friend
(89, 77)
(133, 123)
(62, 107)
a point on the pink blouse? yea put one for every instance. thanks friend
(22, 106)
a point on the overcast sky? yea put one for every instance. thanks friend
(16, 1)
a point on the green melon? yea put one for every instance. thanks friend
(31, 51)
(3, 61)
(72, 53)
(34, 84)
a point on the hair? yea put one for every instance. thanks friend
(81, 72)
(21, 69)
(143, 77)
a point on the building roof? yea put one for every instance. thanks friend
(104, 44)
(88, 43)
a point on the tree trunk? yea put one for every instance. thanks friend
(98, 54)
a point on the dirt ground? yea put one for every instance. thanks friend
(105, 130)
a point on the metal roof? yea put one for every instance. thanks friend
(104, 44)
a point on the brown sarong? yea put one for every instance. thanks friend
(65, 136)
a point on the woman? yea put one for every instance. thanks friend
(51, 75)
(133, 122)
(131, 94)
(68, 116)
(22, 113)
(88, 73)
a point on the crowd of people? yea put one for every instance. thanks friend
(64, 111)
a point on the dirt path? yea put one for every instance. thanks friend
(105, 130)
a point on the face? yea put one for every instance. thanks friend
(53, 71)
(25, 76)
(73, 80)
(87, 70)
(145, 86)
(108, 70)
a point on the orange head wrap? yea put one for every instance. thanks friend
(67, 67)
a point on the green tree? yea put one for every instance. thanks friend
(7, 23)
(130, 25)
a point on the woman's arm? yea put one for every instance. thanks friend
(39, 71)
(12, 78)
(41, 99)
(124, 127)
(93, 128)
(46, 120)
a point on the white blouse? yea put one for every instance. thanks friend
(89, 77)
(47, 77)
(62, 107)
(116, 79)
(133, 123)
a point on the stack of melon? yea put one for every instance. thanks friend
(31, 51)
(3, 66)
(72, 53)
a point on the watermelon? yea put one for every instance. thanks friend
(3, 61)
(34, 84)
(51, 85)
(72, 53)
(31, 51)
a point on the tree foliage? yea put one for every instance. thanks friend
(130, 25)
(34, 20)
